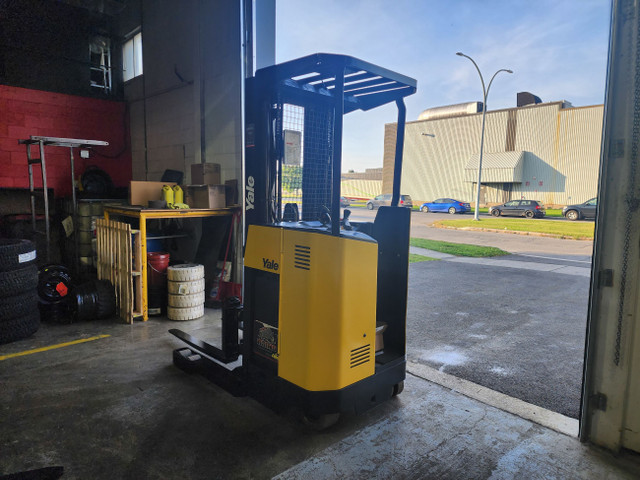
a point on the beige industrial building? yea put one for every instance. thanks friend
(543, 151)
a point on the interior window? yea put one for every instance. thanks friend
(132, 57)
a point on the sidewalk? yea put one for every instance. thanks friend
(500, 262)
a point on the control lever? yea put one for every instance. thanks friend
(345, 220)
(325, 215)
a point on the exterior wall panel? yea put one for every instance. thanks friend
(560, 164)
(580, 140)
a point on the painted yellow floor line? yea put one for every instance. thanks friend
(52, 347)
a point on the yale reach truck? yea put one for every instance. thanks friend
(318, 290)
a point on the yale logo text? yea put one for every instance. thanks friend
(250, 193)
(270, 264)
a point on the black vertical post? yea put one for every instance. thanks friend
(337, 152)
(397, 164)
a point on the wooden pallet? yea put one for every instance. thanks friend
(119, 261)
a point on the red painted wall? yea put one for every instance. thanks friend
(25, 112)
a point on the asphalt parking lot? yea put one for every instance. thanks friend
(517, 329)
(520, 332)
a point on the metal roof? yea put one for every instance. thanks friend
(498, 167)
(366, 85)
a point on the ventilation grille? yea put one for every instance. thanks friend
(302, 257)
(360, 355)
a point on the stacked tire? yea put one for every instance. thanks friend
(19, 315)
(185, 287)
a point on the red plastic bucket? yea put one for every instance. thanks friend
(157, 263)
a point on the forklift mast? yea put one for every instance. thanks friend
(310, 96)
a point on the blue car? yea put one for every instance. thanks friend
(446, 205)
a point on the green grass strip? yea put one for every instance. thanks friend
(574, 230)
(414, 257)
(457, 249)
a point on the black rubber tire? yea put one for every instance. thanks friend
(18, 281)
(529, 214)
(12, 251)
(106, 299)
(19, 328)
(55, 312)
(424, 209)
(21, 305)
(49, 276)
(452, 210)
(370, 206)
(572, 215)
(495, 212)
(84, 301)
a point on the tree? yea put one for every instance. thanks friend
(292, 178)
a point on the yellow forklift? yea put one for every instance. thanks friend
(324, 315)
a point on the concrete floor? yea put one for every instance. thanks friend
(116, 408)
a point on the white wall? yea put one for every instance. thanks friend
(187, 106)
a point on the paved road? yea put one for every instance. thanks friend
(512, 243)
(515, 324)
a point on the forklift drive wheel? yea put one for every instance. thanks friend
(321, 422)
(398, 388)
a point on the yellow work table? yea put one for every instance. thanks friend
(144, 214)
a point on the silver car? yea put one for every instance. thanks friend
(385, 199)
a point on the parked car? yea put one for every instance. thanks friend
(385, 199)
(586, 210)
(446, 205)
(520, 208)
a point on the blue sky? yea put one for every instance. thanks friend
(557, 50)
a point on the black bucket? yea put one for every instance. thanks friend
(157, 299)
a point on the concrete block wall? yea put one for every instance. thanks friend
(27, 112)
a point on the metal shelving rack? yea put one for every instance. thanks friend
(69, 143)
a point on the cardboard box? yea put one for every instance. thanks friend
(205, 174)
(232, 191)
(206, 196)
(141, 192)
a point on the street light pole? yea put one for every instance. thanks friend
(485, 94)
